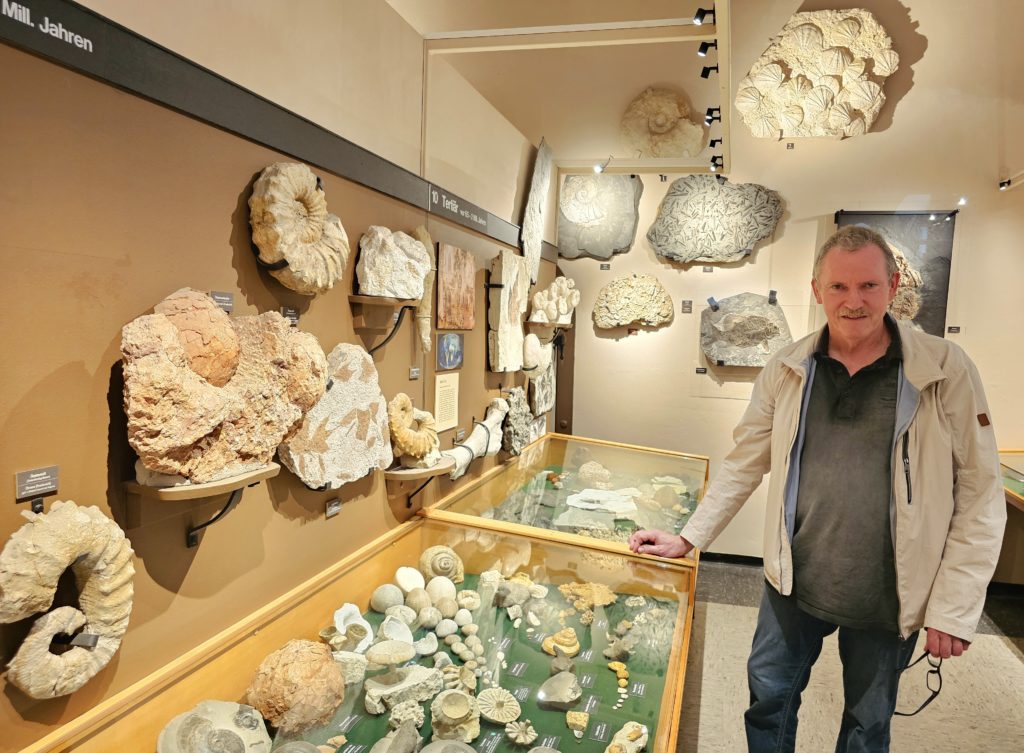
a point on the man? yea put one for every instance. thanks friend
(885, 506)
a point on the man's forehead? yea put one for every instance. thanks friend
(866, 261)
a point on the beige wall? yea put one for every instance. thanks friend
(950, 133)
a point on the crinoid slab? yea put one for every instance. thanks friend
(392, 264)
(598, 215)
(442, 560)
(702, 219)
(498, 705)
(505, 311)
(345, 435)
(304, 245)
(637, 298)
(298, 686)
(657, 124)
(32, 561)
(844, 52)
(746, 330)
(222, 726)
(532, 235)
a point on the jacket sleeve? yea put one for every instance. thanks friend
(743, 468)
(979, 506)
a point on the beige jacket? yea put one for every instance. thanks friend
(948, 508)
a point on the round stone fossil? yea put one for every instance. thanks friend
(498, 705)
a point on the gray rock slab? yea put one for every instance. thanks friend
(536, 204)
(560, 692)
(542, 391)
(598, 215)
(745, 331)
(516, 431)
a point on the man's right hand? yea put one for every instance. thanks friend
(659, 544)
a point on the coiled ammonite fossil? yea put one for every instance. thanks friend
(412, 430)
(442, 560)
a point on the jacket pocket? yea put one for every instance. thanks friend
(906, 467)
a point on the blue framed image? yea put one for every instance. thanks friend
(449, 350)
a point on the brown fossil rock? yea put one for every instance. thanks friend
(298, 686)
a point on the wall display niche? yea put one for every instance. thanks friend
(598, 215)
(95, 549)
(637, 298)
(209, 396)
(704, 218)
(923, 245)
(532, 236)
(390, 264)
(413, 434)
(424, 311)
(345, 435)
(743, 330)
(508, 296)
(299, 241)
(450, 349)
(657, 124)
(822, 76)
(456, 288)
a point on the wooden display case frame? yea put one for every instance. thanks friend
(1012, 497)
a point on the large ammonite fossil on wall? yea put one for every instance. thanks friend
(299, 241)
(35, 557)
(657, 124)
(413, 434)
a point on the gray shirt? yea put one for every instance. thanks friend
(842, 547)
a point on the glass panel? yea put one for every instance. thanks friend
(581, 486)
(1013, 471)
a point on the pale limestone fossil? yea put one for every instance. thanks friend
(521, 733)
(413, 436)
(585, 596)
(406, 614)
(393, 629)
(542, 391)
(222, 726)
(447, 746)
(442, 560)
(411, 683)
(298, 686)
(632, 738)
(566, 641)
(485, 439)
(344, 436)
(356, 633)
(31, 564)
(560, 692)
(291, 225)
(419, 599)
(634, 299)
(577, 721)
(536, 356)
(822, 76)
(441, 587)
(392, 264)
(468, 599)
(594, 474)
(353, 666)
(427, 645)
(407, 711)
(403, 739)
(409, 578)
(598, 215)
(505, 310)
(424, 311)
(385, 596)
(907, 302)
(554, 305)
(455, 716)
(205, 333)
(459, 678)
(657, 124)
(516, 431)
(532, 234)
(498, 705)
(181, 424)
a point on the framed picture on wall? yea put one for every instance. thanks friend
(923, 244)
(449, 350)
(456, 296)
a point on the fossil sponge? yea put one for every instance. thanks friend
(298, 686)
(99, 555)
(290, 223)
(633, 299)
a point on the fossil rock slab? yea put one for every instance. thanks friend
(516, 432)
(412, 683)
(634, 298)
(657, 124)
(181, 424)
(703, 219)
(290, 223)
(537, 356)
(505, 311)
(392, 264)
(215, 725)
(456, 290)
(907, 302)
(555, 304)
(31, 564)
(598, 215)
(632, 738)
(822, 76)
(560, 692)
(745, 331)
(542, 391)
(532, 236)
(345, 435)
(298, 686)
(205, 333)
(424, 311)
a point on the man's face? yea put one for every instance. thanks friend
(855, 289)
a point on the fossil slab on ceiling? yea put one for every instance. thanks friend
(505, 311)
(657, 124)
(704, 219)
(637, 298)
(598, 215)
(822, 76)
(536, 205)
(345, 435)
(746, 330)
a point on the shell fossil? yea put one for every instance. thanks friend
(413, 431)
(863, 95)
(847, 30)
(521, 733)
(441, 560)
(768, 78)
(835, 59)
(748, 99)
(498, 705)
(220, 726)
(808, 36)
(886, 62)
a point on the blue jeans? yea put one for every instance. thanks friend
(787, 642)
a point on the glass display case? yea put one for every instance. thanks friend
(1012, 465)
(584, 491)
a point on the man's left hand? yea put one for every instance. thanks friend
(943, 645)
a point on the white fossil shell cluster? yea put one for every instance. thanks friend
(822, 76)
(555, 304)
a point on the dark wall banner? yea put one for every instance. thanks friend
(77, 38)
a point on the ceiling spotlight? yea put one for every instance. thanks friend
(705, 46)
(931, 217)
(948, 217)
(702, 15)
(962, 202)
(712, 114)
(713, 143)
(1004, 184)
(600, 166)
(706, 70)
(721, 179)
(717, 162)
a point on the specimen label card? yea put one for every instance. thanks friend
(446, 401)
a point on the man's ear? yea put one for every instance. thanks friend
(817, 293)
(894, 283)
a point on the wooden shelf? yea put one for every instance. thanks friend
(380, 300)
(400, 475)
(201, 491)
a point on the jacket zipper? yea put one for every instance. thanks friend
(906, 467)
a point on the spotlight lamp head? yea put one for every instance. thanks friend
(600, 166)
(1004, 184)
(717, 163)
(703, 16)
(702, 51)
(705, 72)
(714, 142)
(712, 114)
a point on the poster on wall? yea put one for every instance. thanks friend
(449, 350)
(456, 296)
(923, 244)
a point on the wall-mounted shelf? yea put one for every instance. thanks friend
(377, 317)
(399, 476)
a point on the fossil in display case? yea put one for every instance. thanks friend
(498, 705)
(297, 687)
(442, 560)
(390, 264)
(633, 299)
(215, 726)
(598, 215)
(345, 435)
(707, 219)
(532, 234)
(521, 733)
(743, 330)
(505, 310)
(455, 715)
(657, 124)
(303, 245)
(413, 436)
(95, 549)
